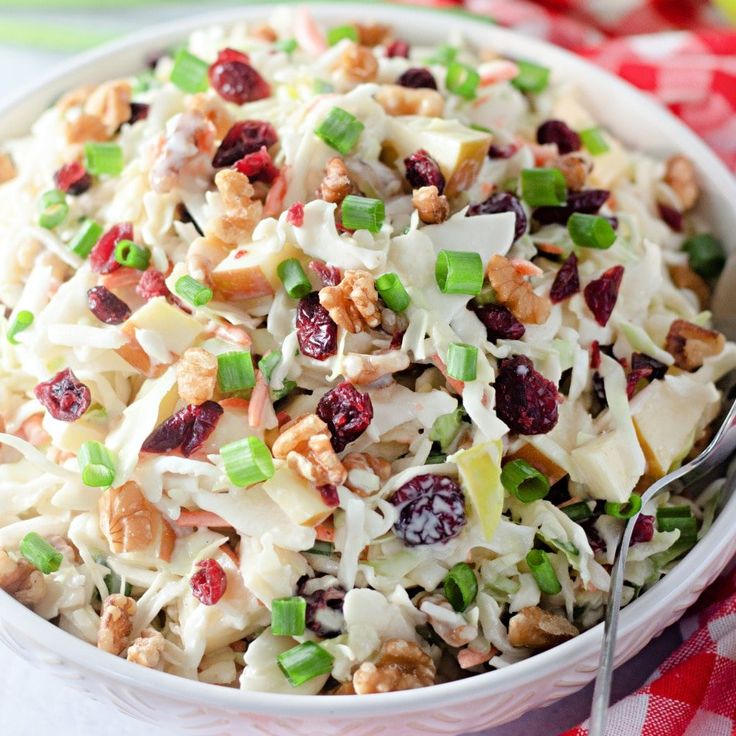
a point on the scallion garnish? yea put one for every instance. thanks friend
(577, 512)
(287, 45)
(705, 254)
(293, 278)
(320, 548)
(86, 238)
(132, 255)
(459, 272)
(54, 209)
(268, 362)
(288, 616)
(189, 72)
(591, 231)
(680, 518)
(40, 553)
(195, 292)
(392, 292)
(462, 361)
(531, 77)
(444, 54)
(304, 662)
(338, 33)
(96, 464)
(103, 158)
(247, 461)
(523, 481)
(235, 371)
(461, 586)
(543, 187)
(23, 320)
(340, 130)
(462, 80)
(594, 141)
(363, 213)
(446, 428)
(544, 573)
(624, 510)
(285, 390)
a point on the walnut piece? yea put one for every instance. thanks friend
(357, 64)
(131, 523)
(146, 650)
(110, 104)
(400, 665)
(361, 369)
(534, 628)
(85, 128)
(398, 100)
(366, 472)
(214, 109)
(680, 174)
(7, 168)
(21, 579)
(74, 98)
(575, 167)
(373, 34)
(116, 623)
(516, 293)
(353, 303)
(305, 445)
(685, 278)
(265, 32)
(449, 625)
(336, 184)
(241, 211)
(432, 206)
(689, 344)
(196, 375)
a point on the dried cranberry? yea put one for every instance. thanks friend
(102, 256)
(594, 538)
(502, 152)
(187, 429)
(246, 136)
(205, 419)
(152, 283)
(417, 78)
(138, 111)
(601, 294)
(499, 322)
(555, 131)
(315, 330)
(640, 360)
(329, 275)
(64, 396)
(169, 434)
(501, 202)
(643, 529)
(73, 178)
(209, 582)
(397, 48)
(106, 306)
(671, 216)
(595, 355)
(423, 171)
(347, 413)
(525, 400)
(397, 339)
(567, 281)
(431, 510)
(329, 495)
(258, 166)
(324, 612)
(295, 214)
(634, 377)
(588, 202)
(235, 80)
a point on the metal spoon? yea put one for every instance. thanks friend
(720, 449)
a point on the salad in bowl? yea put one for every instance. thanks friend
(333, 364)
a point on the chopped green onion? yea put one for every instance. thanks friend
(680, 512)
(285, 390)
(544, 573)
(594, 141)
(444, 54)
(524, 481)
(86, 238)
(626, 510)
(96, 464)
(293, 278)
(481, 128)
(103, 158)
(288, 616)
(591, 231)
(320, 548)
(678, 517)
(338, 33)
(363, 213)
(235, 371)
(304, 662)
(23, 320)
(531, 77)
(287, 45)
(247, 461)
(461, 586)
(487, 295)
(543, 187)
(195, 292)
(577, 511)
(462, 80)
(40, 553)
(340, 130)
(132, 255)
(189, 72)
(436, 458)
(54, 209)
(462, 361)
(392, 292)
(706, 255)
(268, 362)
(446, 428)
(459, 272)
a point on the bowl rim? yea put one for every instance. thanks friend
(704, 556)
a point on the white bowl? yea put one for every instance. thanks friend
(470, 704)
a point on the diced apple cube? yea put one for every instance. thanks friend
(298, 498)
(540, 461)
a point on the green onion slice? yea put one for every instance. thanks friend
(543, 187)
(40, 553)
(594, 141)
(320, 548)
(86, 238)
(340, 130)
(524, 482)
(680, 512)
(680, 518)
(462, 80)
(462, 361)
(54, 209)
(706, 255)
(591, 231)
(577, 512)
(247, 461)
(531, 77)
(444, 54)
(189, 72)
(459, 272)
(544, 573)
(268, 362)
(446, 428)
(338, 33)
(304, 662)
(103, 158)
(288, 616)
(285, 390)
(132, 255)
(235, 371)
(23, 320)
(363, 213)
(96, 464)
(293, 278)
(287, 45)
(461, 586)
(624, 510)
(392, 292)
(195, 292)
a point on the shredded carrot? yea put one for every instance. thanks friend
(502, 70)
(325, 531)
(235, 403)
(121, 278)
(233, 333)
(458, 386)
(32, 431)
(200, 518)
(526, 268)
(307, 32)
(550, 248)
(258, 399)
(274, 203)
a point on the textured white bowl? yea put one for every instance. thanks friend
(467, 705)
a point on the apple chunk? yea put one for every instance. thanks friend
(298, 498)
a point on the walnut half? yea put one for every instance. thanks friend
(689, 344)
(353, 303)
(534, 628)
(146, 650)
(400, 665)
(116, 623)
(21, 580)
(516, 293)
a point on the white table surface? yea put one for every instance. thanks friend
(33, 703)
